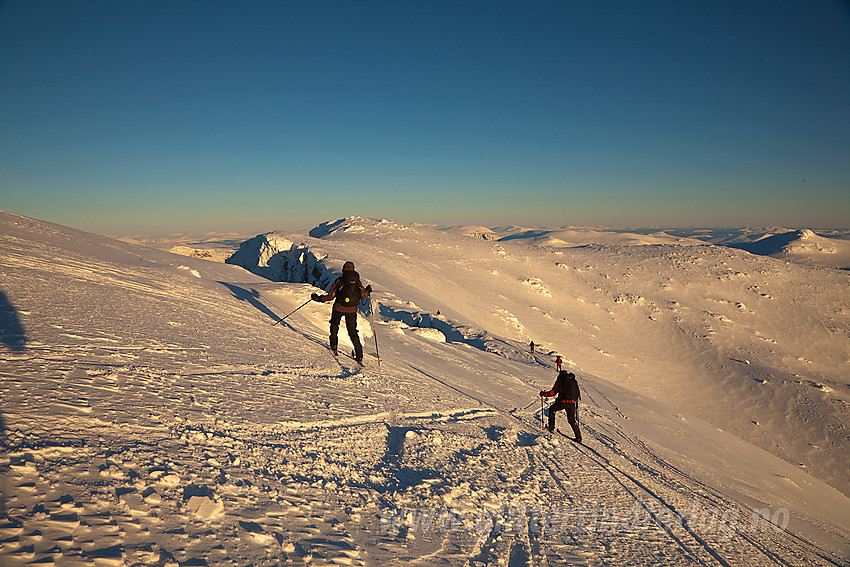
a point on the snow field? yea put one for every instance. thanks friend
(154, 417)
(690, 323)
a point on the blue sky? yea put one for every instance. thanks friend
(143, 117)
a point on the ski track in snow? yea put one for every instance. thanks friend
(155, 417)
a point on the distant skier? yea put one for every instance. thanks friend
(347, 291)
(568, 394)
(531, 346)
(559, 362)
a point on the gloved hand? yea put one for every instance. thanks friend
(542, 393)
(369, 289)
(315, 297)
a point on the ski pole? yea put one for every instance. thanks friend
(541, 412)
(291, 312)
(374, 334)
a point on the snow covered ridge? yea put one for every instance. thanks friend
(475, 231)
(286, 258)
(801, 246)
(215, 247)
(202, 253)
(584, 237)
(354, 225)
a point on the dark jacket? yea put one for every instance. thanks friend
(566, 388)
(338, 283)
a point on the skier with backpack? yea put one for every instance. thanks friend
(347, 291)
(567, 391)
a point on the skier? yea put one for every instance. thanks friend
(566, 388)
(532, 347)
(559, 362)
(347, 291)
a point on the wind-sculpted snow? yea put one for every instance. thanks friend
(152, 415)
(278, 259)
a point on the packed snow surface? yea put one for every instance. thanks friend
(153, 414)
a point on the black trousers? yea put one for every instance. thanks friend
(351, 326)
(570, 408)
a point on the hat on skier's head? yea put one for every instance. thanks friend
(348, 266)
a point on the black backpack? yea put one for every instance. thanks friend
(569, 387)
(349, 293)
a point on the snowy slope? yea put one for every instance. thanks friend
(152, 415)
(748, 343)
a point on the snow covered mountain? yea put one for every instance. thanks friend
(152, 414)
(803, 246)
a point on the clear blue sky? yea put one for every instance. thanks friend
(149, 116)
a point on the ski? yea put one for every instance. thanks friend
(573, 439)
(337, 354)
(349, 368)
